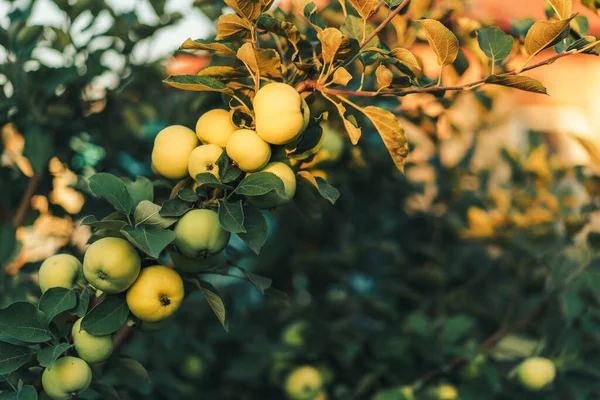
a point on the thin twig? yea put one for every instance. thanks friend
(26, 201)
(384, 23)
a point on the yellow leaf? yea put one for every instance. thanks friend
(200, 44)
(404, 56)
(522, 82)
(231, 25)
(331, 39)
(544, 34)
(384, 76)
(261, 61)
(248, 9)
(364, 7)
(341, 76)
(309, 177)
(222, 72)
(354, 132)
(391, 132)
(562, 7)
(443, 42)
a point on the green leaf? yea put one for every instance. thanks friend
(151, 240)
(521, 26)
(572, 306)
(188, 195)
(140, 190)
(113, 190)
(260, 183)
(47, 356)
(206, 179)
(82, 303)
(260, 282)
(309, 143)
(327, 191)
(106, 317)
(456, 328)
(214, 301)
(8, 241)
(310, 13)
(13, 357)
(279, 27)
(175, 208)
(353, 28)
(256, 228)
(106, 391)
(148, 213)
(26, 392)
(133, 367)
(521, 82)
(38, 148)
(56, 300)
(197, 83)
(111, 222)
(231, 174)
(231, 216)
(496, 44)
(23, 321)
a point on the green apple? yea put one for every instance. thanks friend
(61, 270)
(90, 348)
(111, 265)
(192, 367)
(66, 378)
(199, 233)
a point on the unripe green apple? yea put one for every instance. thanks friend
(172, 148)
(68, 376)
(90, 348)
(303, 383)
(196, 264)
(293, 334)
(248, 150)
(273, 199)
(192, 367)
(535, 373)
(215, 126)
(199, 233)
(111, 265)
(61, 270)
(281, 114)
(204, 159)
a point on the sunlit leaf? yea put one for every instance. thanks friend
(443, 42)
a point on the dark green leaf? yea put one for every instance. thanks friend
(133, 367)
(150, 240)
(175, 208)
(13, 357)
(279, 27)
(106, 391)
(8, 240)
(214, 300)
(496, 44)
(140, 190)
(197, 83)
(82, 303)
(309, 144)
(327, 191)
(148, 213)
(256, 228)
(260, 282)
(456, 328)
(188, 195)
(56, 300)
(106, 317)
(23, 321)
(111, 222)
(113, 190)
(231, 174)
(231, 216)
(47, 356)
(260, 183)
(206, 179)
(38, 148)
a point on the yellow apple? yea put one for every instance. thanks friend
(67, 377)
(535, 373)
(156, 294)
(273, 199)
(447, 392)
(248, 150)
(196, 264)
(303, 383)
(204, 159)
(61, 270)
(172, 148)
(280, 113)
(215, 127)
(111, 265)
(199, 233)
(90, 348)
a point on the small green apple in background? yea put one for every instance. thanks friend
(248, 150)
(192, 367)
(61, 270)
(199, 233)
(196, 264)
(66, 378)
(111, 265)
(535, 373)
(172, 148)
(304, 383)
(273, 199)
(204, 159)
(90, 348)
(447, 392)
(281, 114)
(293, 334)
(215, 127)
(156, 294)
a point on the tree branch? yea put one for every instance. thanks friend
(21, 212)
(484, 346)
(384, 23)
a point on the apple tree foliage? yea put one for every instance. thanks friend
(399, 282)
